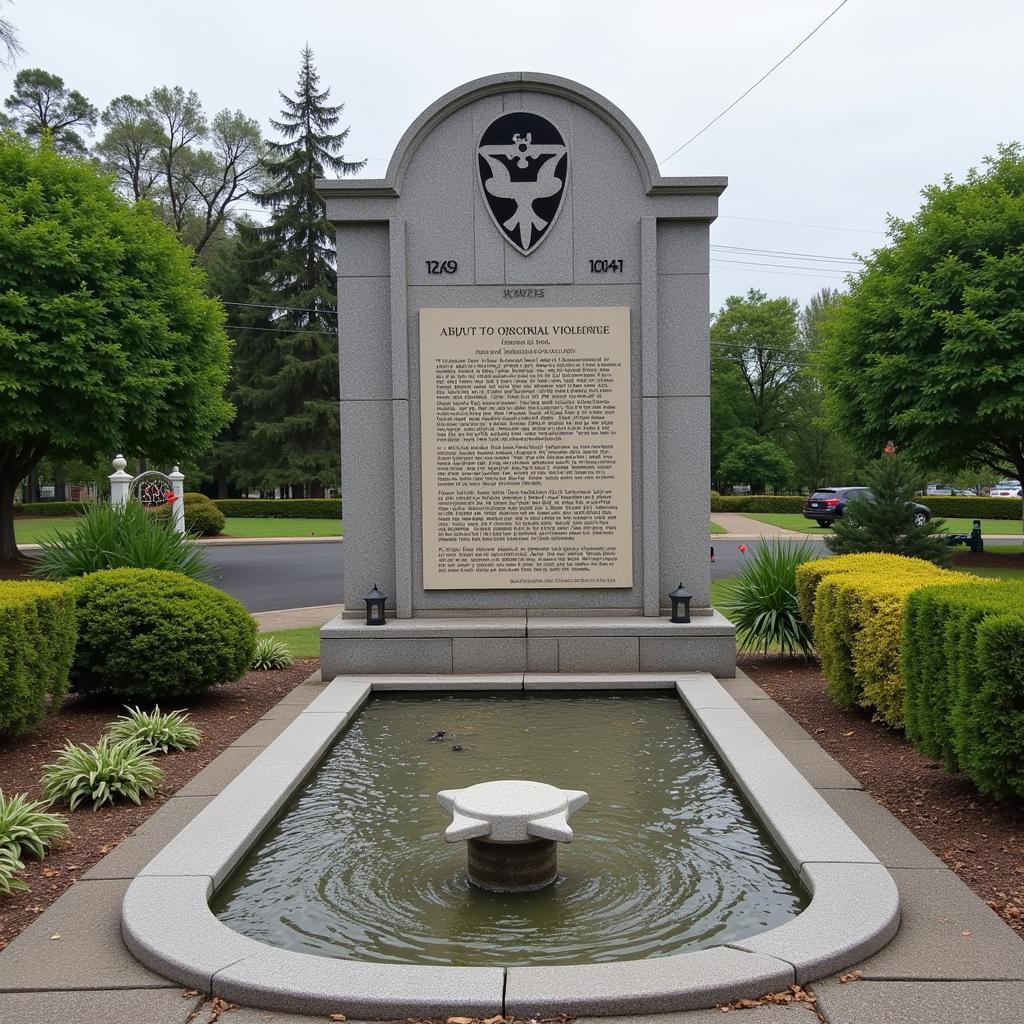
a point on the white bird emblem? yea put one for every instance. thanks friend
(524, 193)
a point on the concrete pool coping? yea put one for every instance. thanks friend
(168, 925)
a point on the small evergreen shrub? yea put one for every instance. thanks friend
(270, 653)
(150, 635)
(120, 536)
(963, 661)
(10, 865)
(102, 773)
(26, 826)
(156, 731)
(886, 524)
(37, 642)
(202, 517)
(858, 616)
(762, 601)
(279, 508)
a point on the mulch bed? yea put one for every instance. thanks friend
(222, 715)
(989, 560)
(16, 569)
(979, 839)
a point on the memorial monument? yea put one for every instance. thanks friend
(523, 336)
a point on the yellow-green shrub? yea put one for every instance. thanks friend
(858, 613)
(37, 642)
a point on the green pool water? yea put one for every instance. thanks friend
(666, 856)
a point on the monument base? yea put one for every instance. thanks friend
(529, 643)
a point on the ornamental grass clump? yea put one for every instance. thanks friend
(102, 773)
(26, 826)
(155, 731)
(270, 653)
(116, 537)
(762, 601)
(10, 865)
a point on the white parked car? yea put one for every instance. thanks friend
(1006, 489)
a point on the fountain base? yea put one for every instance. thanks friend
(512, 867)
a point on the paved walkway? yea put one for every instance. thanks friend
(740, 527)
(296, 618)
(953, 960)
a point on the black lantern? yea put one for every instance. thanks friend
(680, 597)
(375, 607)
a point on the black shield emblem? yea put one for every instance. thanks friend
(523, 164)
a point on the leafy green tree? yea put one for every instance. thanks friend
(286, 363)
(107, 341)
(758, 463)
(927, 350)
(887, 524)
(41, 104)
(759, 338)
(196, 170)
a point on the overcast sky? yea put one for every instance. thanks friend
(887, 97)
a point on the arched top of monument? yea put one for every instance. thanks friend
(523, 81)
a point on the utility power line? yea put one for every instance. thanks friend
(743, 95)
(788, 255)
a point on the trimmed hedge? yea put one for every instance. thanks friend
(37, 642)
(757, 503)
(858, 613)
(963, 662)
(148, 634)
(280, 508)
(52, 508)
(972, 508)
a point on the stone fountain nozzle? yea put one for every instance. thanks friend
(512, 827)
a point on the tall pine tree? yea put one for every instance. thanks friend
(286, 356)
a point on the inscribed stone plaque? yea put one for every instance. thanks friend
(526, 448)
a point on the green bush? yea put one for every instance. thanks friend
(119, 536)
(37, 642)
(972, 508)
(858, 614)
(762, 600)
(280, 508)
(202, 516)
(102, 773)
(52, 508)
(963, 662)
(148, 634)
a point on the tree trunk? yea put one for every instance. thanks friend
(316, 489)
(60, 492)
(8, 548)
(32, 486)
(222, 481)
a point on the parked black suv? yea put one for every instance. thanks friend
(829, 504)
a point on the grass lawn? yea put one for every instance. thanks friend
(795, 521)
(303, 642)
(715, 528)
(31, 531)
(283, 528)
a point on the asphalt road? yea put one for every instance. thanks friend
(269, 577)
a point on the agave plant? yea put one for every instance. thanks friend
(26, 826)
(101, 773)
(270, 653)
(9, 865)
(155, 730)
(118, 537)
(762, 601)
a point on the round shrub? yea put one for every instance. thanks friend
(148, 634)
(202, 517)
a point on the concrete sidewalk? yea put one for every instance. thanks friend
(953, 960)
(740, 527)
(296, 618)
